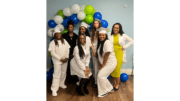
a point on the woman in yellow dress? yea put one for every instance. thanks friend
(118, 39)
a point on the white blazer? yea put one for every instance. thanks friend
(60, 52)
(122, 42)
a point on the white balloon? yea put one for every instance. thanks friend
(58, 19)
(81, 15)
(82, 7)
(75, 8)
(67, 12)
(50, 32)
(60, 26)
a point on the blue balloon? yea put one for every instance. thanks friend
(104, 23)
(51, 70)
(65, 22)
(48, 75)
(124, 77)
(51, 23)
(74, 18)
(108, 77)
(52, 62)
(52, 39)
(97, 15)
(67, 17)
(90, 26)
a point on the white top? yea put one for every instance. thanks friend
(108, 47)
(82, 63)
(60, 52)
(95, 41)
(122, 40)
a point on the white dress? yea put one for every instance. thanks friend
(77, 64)
(94, 59)
(104, 86)
(59, 52)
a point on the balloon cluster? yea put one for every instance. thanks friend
(51, 70)
(77, 13)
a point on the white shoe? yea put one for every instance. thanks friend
(111, 90)
(54, 93)
(63, 86)
(77, 83)
(103, 95)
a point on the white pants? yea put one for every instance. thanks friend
(59, 76)
(95, 67)
(104, 86)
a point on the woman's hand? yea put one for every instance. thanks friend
(87, 72)
(122, 48)
(65, 60)
(94, 54)
(62, 60)
(71, 56)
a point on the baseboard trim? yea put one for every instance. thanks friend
(127, 71)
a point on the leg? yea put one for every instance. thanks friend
(56, 77)
(85, 86)
(117, 82)
(96, 69)
(114, 80)
(104, 86)
(78, 89)
(63, 75)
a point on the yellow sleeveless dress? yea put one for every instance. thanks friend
(119, 56)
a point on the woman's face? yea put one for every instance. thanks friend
(70, 28)
(96, 24)
(58, 35)
(116, 29)
(82, 39)
(82, 30)
(102, 36)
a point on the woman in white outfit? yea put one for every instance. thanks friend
(59, 50)
(107, 63)
(94, 39)
(83, 29)
(80, 64)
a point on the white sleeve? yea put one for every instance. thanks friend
(67, 49)
(89, 41)
(107, 46)
(77, 58)
(129, 43)
(52, 50)
(88, 59)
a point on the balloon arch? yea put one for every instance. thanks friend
(77, 13)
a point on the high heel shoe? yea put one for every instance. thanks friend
(115, 89)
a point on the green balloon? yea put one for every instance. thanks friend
(89, 19)
(60, 12)
(49, 54)
(93, 12)
(65, 31)
(89, 10)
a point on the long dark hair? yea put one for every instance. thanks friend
(121, 32)
(94, 30)
(55, 39)
(102, 45)
(86, 33)
(81, 52)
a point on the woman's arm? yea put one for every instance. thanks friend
(106, 55)
(94, 53)
(52, 51)
(129, 43)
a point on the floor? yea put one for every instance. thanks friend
(125, 92)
